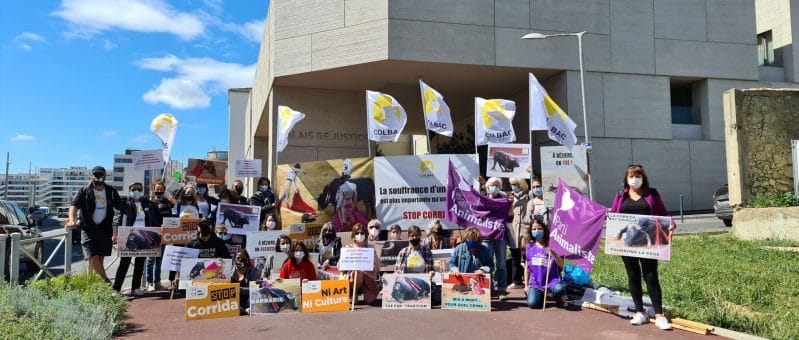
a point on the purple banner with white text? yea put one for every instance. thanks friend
(576, 226)
(468, 208)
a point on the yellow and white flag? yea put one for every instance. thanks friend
(436, 111)
(164, 127)
(386, 117)
(545, 114)
(493, 121)
(286, 119)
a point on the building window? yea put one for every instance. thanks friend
(119, 169)
(682, 104)
(765, 50)
(123, 160)
(118, 179)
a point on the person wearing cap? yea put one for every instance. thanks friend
(94, 205)
(395, 233)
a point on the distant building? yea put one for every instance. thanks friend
(124, 173)
(51, 187)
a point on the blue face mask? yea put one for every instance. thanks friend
(538, 191)
(201, 191)
(538, 234)
(223, 236)
(263, 188)
(493, 189)
(136, 195)
(515, 188)
(471, 244)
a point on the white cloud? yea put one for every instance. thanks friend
(253, 30)
(109, 133)
(25, 39)
(91, 17)
(22, 138)
(108, 45)
(178, 94)
(26, 47)
(141, 139)
(196, 79)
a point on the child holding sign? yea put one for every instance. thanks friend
(542, 268)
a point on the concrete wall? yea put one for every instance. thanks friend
(777, 16)
(238, 115)
(760, 125)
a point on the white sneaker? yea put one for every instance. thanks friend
(515, 286)
(114, 292)
(151, 287)
(639, 319)
(663, 323)
(137, 292)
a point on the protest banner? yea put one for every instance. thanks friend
(339, 191)
(248, 168)
(389, 251)
(179, 230)
(406, 291)
(466, 292)
(138, 241)
(148, 160)
(239, 219)
(508, 160)
(204, 269)
(411, 190)
(356, 258)
(174, 256)
(308, 233)
(261, 246)
(558, 162)
(275, 296)
(325, 296)
(576, 227)
(441, 263)
(641, 236)
(212, 301)
(207, 171)
(468, 208)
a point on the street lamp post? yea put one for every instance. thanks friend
(579, 36)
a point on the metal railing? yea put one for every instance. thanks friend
(16, 249)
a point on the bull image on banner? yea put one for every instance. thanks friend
(179, 230)
(326, 296)
(139, 241)
(411, 190)
(466, 292)
(340, 191)
(468, 208)
(638, 236)
(576, 226)
(558, 162)
(406, 291)
(275, 296)
(207, 171)
(239, 219)
(206, 270)
(212, 301)
(508, 160)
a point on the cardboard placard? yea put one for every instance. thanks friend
(641, 236)
(406, 291)
(207, 171)
(466, 292)
(508, 160)
(239, 219)
(275, 296)
(326, 296)
(139, 241)
(148, 160)
(216, 270)
(212, 301)
(355, 258)
(179, 230)
(174, 256)
(248, 168)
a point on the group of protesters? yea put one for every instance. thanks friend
(532, 265)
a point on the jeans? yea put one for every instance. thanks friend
(535, 296)
(154, 269)
(498, 249)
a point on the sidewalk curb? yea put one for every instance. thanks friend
(734, 335)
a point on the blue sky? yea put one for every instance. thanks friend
(81, 80)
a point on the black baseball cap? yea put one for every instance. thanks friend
(98, 169)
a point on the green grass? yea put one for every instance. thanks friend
(725, 282)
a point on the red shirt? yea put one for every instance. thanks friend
(305, 270)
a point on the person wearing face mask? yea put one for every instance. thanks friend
(94, 205)
(209, 244)
(519, 199)
(539, 261)
(366, 280)
(164, 207)
(536, 206)
(264, 197)
(186, 206)
(137, 211)
(238, 188)
(436, 239)
(298, 265)
(374, 227)
(498, 247)
(206, 205)
(471, 256)
(243, 274)
(638, 198)
(282, 245)
(270, 223)
(328, 246)
(415, 258)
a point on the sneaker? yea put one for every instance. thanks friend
(663, 323)
(515, 286)
(503, 296)
(151, 287)
(639, 319)
(114, 292)
(137, 292)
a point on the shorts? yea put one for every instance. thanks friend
(96, 241)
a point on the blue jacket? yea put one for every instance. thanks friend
(462, 259)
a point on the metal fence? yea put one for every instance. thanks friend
(12, 260)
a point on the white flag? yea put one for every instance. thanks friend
(386, 117)
(493, 121)
(436, 111)
(286, 119)
(164, 127)
(545, 114)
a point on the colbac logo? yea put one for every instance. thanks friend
(493, 110)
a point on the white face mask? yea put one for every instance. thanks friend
(635, 182)
(270, 225)
(284, 248)
(299, 255)
(374, 232)
(360, 237)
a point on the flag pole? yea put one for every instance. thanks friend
(530, 139)
(546, 281)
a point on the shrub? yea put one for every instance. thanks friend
(786, 199)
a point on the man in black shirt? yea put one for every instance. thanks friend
(210, 245)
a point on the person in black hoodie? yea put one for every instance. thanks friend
(138, 211)
(153, 266)
(264, 198)
(210, 245)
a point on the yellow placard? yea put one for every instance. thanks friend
(325, 296)
(182, 233)
(212, 301)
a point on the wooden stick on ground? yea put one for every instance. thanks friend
(354, 290)
(546, 281)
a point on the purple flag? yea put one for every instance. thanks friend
(576, 225)
(467, 207)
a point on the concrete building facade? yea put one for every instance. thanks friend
(50, 187)
(123, 173)
(655, 74)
